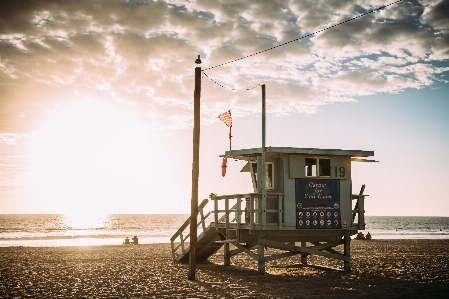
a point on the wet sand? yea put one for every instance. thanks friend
(380, 269)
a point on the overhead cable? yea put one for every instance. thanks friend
(299, 38)
(228, 87)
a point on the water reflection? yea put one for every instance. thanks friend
(85, 221)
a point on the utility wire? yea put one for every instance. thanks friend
(297, 39)
(204, 73)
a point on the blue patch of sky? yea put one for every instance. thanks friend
(206, 15)
(423, 110)
(139, 2)
(439, 79)
(178, 8)
(226, 43)
(361, 10)
(306, 41)
(292, 20)
(202, 54)
(440, 63)
(270, 37)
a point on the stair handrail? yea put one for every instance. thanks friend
(359, 208)
(179, 232)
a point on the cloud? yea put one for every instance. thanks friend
(10, 138)
(139, 55)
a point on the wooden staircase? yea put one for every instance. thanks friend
(206, 240)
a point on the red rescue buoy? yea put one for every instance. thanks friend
(223, 166)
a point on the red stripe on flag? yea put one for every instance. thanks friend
(226, 118)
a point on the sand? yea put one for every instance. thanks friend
(380, 269)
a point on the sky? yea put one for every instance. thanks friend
(96, 98)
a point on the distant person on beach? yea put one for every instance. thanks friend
(368, 236)
(135, 240)
(360, 236)
(126, 241)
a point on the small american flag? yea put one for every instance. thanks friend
(226, 118)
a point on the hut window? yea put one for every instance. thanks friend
(254, 172)
(317, 167)
(269, 178)
(325, 167)
(310, 167)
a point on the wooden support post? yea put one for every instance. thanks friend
(280, 211)
(361, 214)
(264, 166)
(304, 255)
(227, 255)
(215, 211)
(239, 211)
(227, 212)
(195, 173)
(261, 253)
(347, 253)
(251, 211)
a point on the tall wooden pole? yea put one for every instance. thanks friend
(195, 173)
(263, 124)
(264, 165)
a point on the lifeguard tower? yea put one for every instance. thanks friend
(302, 204)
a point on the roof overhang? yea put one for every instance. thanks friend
(247, 154)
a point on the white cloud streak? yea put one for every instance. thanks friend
(139, 55)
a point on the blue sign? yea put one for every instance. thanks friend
(317, 204)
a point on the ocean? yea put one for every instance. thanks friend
(66, 230)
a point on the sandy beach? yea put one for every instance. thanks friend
(380, 269)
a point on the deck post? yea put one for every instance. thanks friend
(227, 211)
(251, 211)
(280, 211)
(226, 255)
(304, 255)
(361, 212)
(215, 211)
(261, 252)
(347, 252)
(264, 166)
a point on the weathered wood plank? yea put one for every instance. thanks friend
(311, 250)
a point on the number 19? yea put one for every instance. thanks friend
(340, 170)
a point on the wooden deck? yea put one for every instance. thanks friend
(206, 241)
(243, 223)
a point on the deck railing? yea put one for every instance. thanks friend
(248, 210)
(183, 236)
(359, 211)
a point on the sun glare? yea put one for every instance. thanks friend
(85, 221)
(89, 158)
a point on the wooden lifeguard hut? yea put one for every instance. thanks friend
(302, 204)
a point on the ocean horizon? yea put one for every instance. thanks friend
(39, 230)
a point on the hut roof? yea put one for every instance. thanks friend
(246, 154)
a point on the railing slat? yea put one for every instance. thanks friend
(239, 210)
(227, 212)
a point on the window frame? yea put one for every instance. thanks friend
(254, 174)
(317, 165)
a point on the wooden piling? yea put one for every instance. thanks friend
(195, 174)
